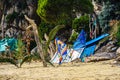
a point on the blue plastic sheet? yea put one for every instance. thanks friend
(11, 42)
(80, 41)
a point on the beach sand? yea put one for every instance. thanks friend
(103, 70)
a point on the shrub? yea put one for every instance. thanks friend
(115, 32)
(81, 23)
(118, 34)
(44, 28)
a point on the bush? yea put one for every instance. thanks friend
(81, 23)
(110, 11)
(118, 34)
(73, 37)
(115, 32)
(44, 28)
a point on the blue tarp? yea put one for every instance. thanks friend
(88, 51)
(80, 41)
(11, 42)
(91, 41)
(81, 49)
(89, 47)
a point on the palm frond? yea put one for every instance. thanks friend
(50, 63)
(29, 58)
(53, 33)
(9, 60)
(50, 37)
(26, 58)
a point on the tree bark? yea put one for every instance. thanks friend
(2, 26)
(36, 36)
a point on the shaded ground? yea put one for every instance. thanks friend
(68, 71)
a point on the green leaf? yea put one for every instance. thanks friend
(9, 60)
(53, 33)
(26, 58)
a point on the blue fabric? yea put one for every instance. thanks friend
(89, 46)
(91, 41)
(61, 47)
(88, 51)
(8, 42)
(96, 39)
(81, 40)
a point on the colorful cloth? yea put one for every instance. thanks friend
(61, 49)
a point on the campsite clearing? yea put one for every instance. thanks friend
(67, 71)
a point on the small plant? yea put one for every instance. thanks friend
(23, 58)
(115, 32)
(81, 23)
(118, 34)
(73, 36)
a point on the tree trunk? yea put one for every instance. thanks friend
(36, 36)
(2, 26)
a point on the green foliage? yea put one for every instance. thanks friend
(11, 17)
(61, 11)
(17, 55)
(45, 45)
(80, 23)
(20, 55)
(110, 11)
(51, 36)
(115, 32)
(118, 34)
(9, 60)
(53, 10)
(44, 28)
(26, 58)
(73, 37)
(53, 32)
(83, 6)
(20, 52)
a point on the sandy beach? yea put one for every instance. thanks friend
(68, 71)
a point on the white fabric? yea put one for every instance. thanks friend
(67, 58)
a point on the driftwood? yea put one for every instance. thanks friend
(101, 57)
(2, 25)
(36, 36)
(96, 59)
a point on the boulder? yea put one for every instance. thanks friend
(118, 59)
(113, 49)
(106, 54)
(101, 57)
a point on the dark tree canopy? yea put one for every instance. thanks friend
(110, 11)
(54, 11)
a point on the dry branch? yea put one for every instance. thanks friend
(36, 36)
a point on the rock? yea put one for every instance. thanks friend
(118, 59)
(113, 49)
(101, 57)
(106, 54)
(108, 48)
(118, 52)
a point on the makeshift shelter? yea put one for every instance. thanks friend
(71, 54)
(90, 46)
(80, 49)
